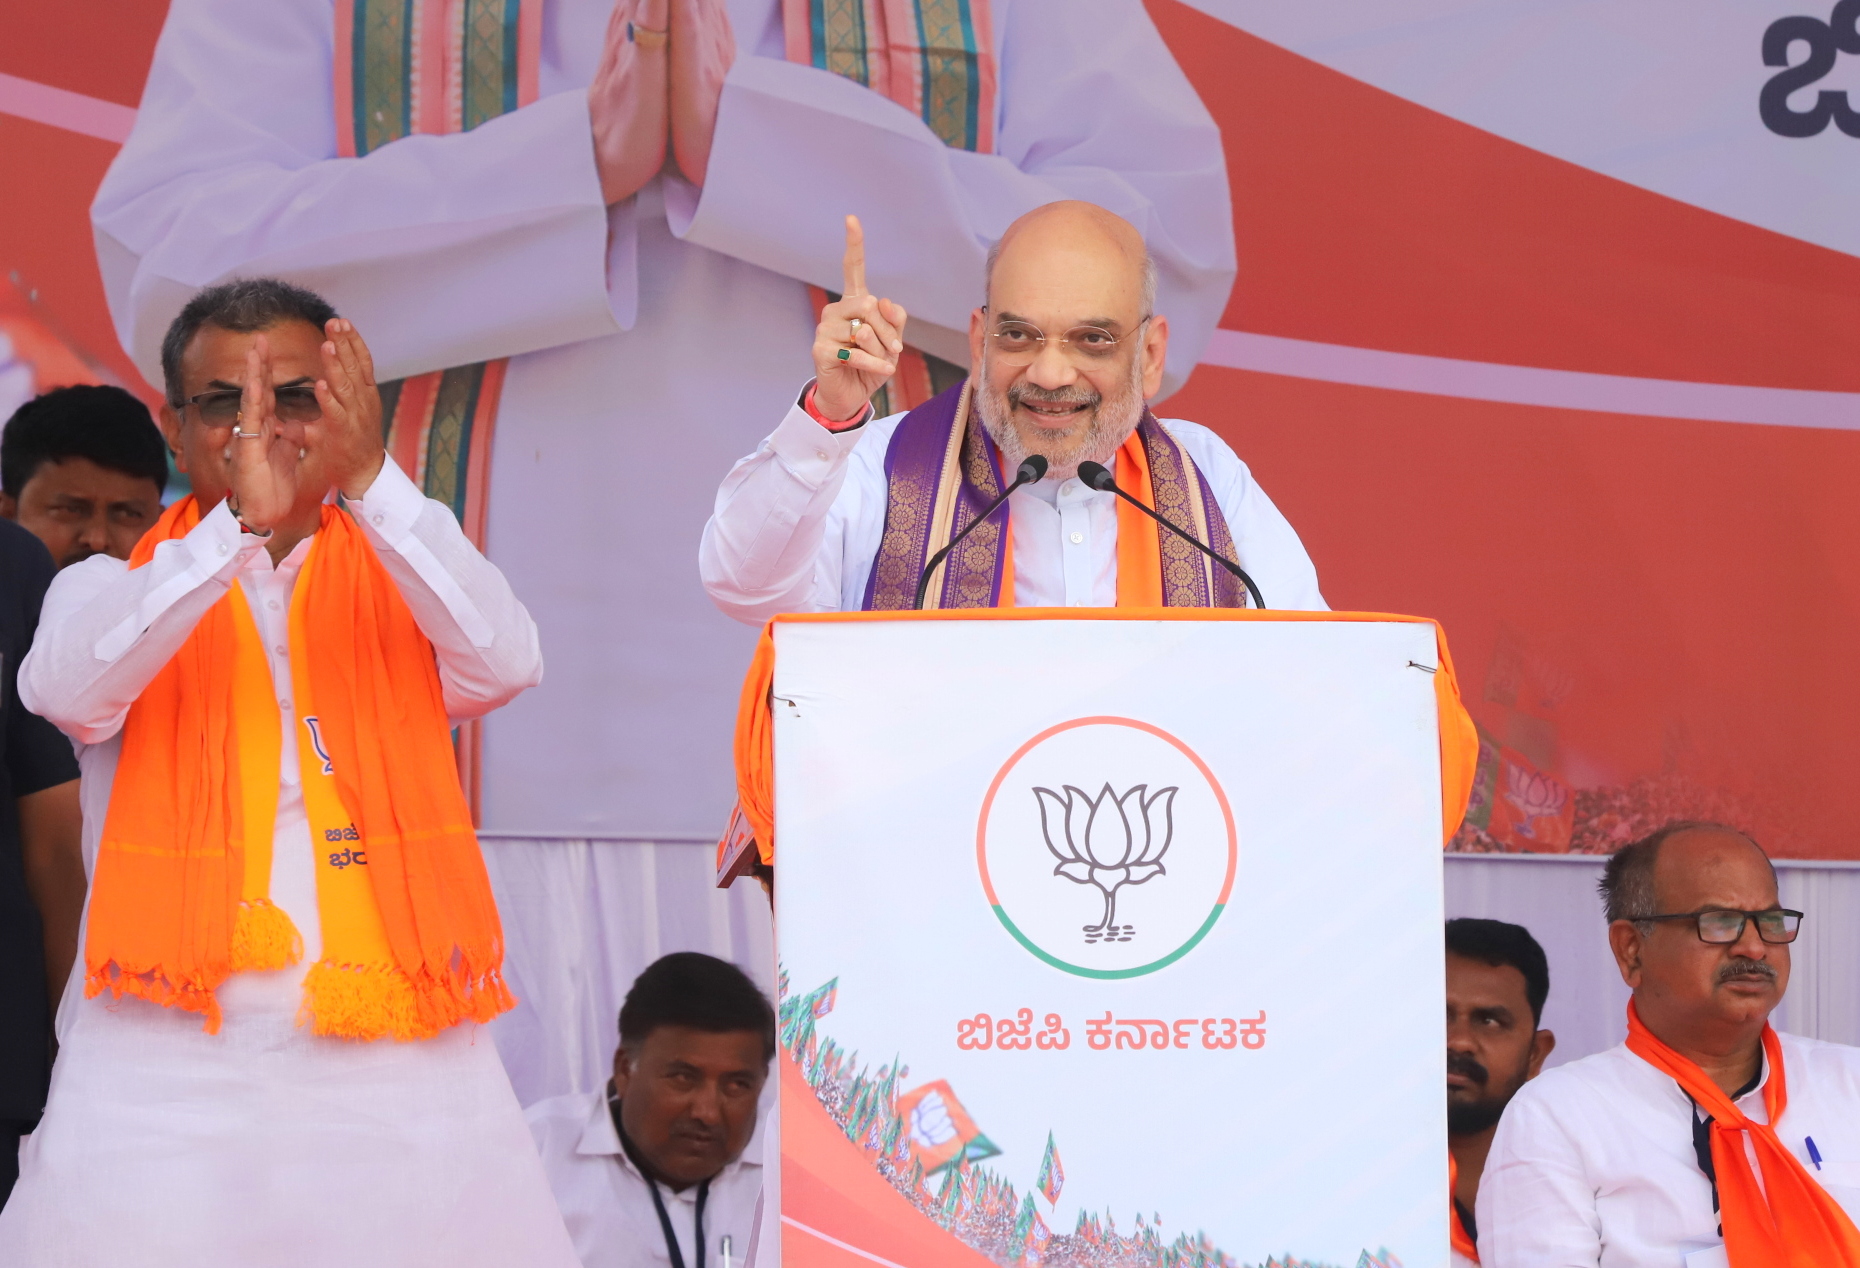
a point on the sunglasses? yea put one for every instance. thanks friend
(220, 408)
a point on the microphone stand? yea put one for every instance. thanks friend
(1030, 471)
(1097, 476)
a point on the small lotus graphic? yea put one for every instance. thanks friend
(1534, 795)
(1108, 841)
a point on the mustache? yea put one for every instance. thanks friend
(1463, 1064)
(1071, 394)
(1742, 967)
(688, 1129)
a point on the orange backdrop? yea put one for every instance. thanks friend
(1659, 613)
(1655, 615)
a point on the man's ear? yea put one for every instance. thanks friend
(1543, 1043)
(623, 1070)
(1155, 351)
(171, 430)
(978, 335)
(1624, 939)
(9, 506)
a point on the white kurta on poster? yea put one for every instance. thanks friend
(1285, 1096)
(651, 342)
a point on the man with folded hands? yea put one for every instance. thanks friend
(268, 1056)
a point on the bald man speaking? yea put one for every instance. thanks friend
(838, 511)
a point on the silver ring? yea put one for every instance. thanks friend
(247, 435)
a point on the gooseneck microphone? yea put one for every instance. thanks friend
(1031, 471)
(1097, 476)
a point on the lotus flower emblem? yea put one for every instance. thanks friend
(1533, 795)
(1109, 841)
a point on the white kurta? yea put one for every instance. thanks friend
(798, 523)
(607, 1206)
(656, 343)
(1593, 1163)
(263, 1144)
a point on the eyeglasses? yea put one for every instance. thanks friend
(1722, 926)
(220, 408)
(1020, 342)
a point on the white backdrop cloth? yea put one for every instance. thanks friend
(583, 917)
(1554, 896)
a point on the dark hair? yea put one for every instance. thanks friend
(689, 988)
(104, 424)
(1627, 882)
(1497, 943)
(244, 304)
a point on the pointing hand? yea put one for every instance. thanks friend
(858, 340)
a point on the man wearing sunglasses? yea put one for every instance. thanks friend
(1708, 1138)
(841, 511)
(267, 1054)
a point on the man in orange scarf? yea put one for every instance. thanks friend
(268, 1057)
(1708, 1138)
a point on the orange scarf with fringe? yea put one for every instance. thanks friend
(181, 895)
(1785, 1221)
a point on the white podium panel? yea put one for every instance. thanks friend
(1109, 941)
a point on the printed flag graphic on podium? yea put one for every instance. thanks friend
(1052, 1176)
(942, 1134)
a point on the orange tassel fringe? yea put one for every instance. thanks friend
(375, 1001)
(263, 937)
(154, 986)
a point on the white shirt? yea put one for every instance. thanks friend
(607, 1205)
(652, 340)
(798, 522)
(1593, 1162)
(220, 1148)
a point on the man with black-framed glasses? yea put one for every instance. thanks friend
(1709, 1138)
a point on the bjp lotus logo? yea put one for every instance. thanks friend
(1109, 841)
(1159, 812)
(1533, 794)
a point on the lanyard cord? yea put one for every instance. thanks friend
(665, 1224)
(658, 1203)
(1701, 1136)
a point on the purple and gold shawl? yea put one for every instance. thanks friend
(941, 470)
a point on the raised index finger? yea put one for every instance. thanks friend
(855, 258)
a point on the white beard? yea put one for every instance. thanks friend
(1112, 419)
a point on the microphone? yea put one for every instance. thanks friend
(1096, 476)
(1029, 472)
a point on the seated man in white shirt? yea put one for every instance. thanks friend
(1497, 981)
(653, 1169)
(1708, 1138)
(838, 511)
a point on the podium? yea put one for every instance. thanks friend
(1106, 936)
